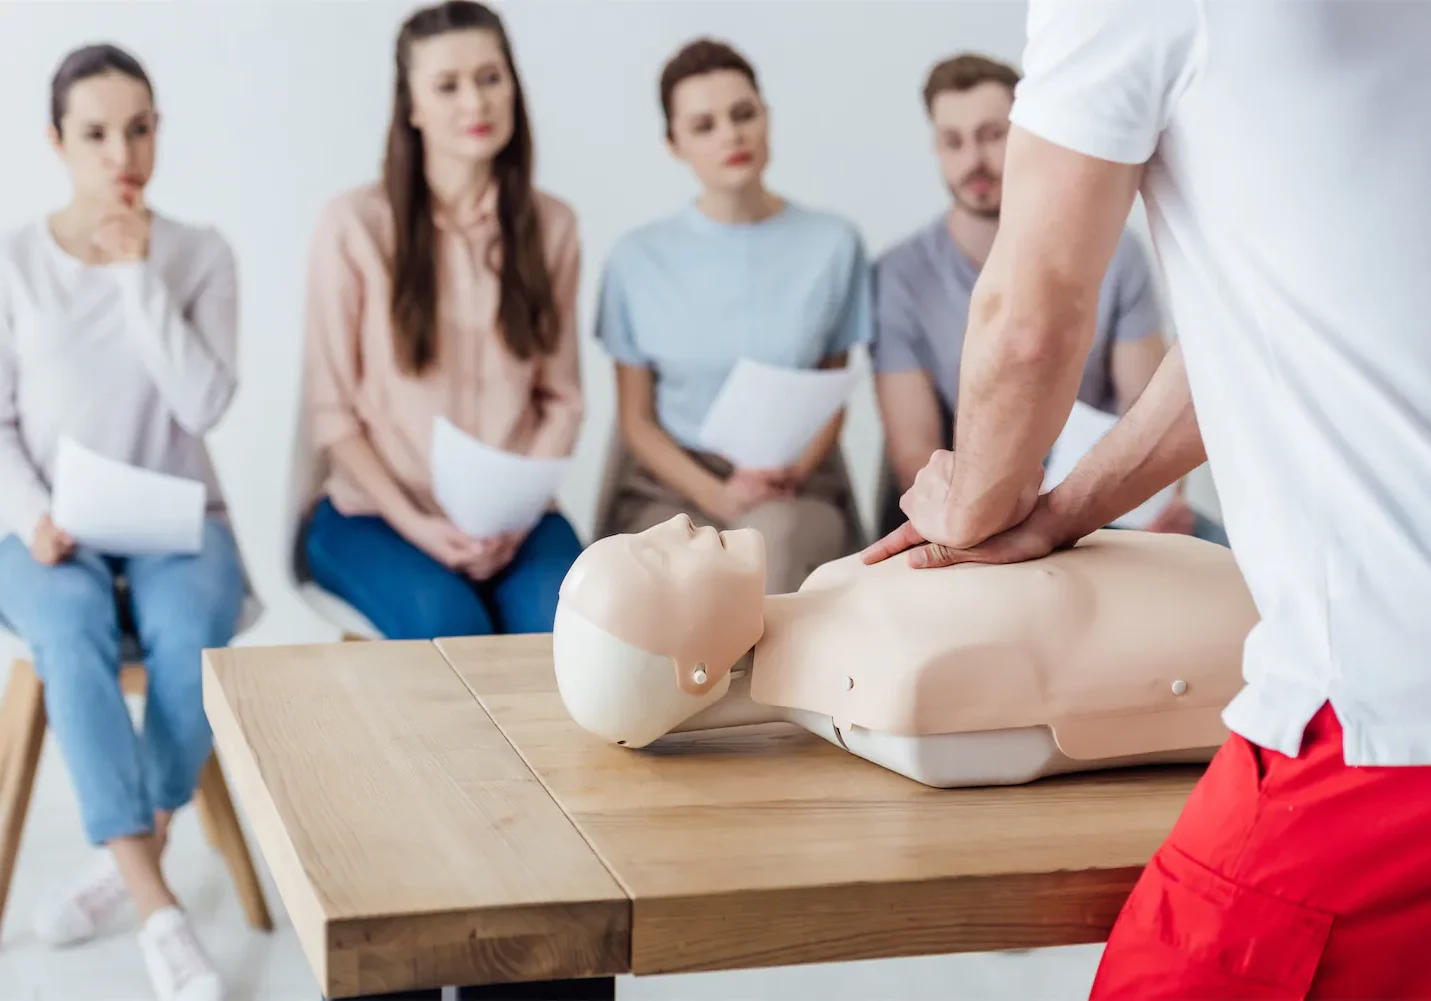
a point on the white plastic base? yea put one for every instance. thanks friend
(988, 758)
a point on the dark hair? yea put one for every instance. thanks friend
(81, 64)
(965, 72)
(526, 311)
(704, 55)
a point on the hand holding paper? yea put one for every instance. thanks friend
(485, 491)
(764, 417)
(122, 510)
(1086, 425)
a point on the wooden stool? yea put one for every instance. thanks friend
(22, 736)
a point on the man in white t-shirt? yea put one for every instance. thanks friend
(1281, 149)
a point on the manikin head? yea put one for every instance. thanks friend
(649, 625)
(968, 99)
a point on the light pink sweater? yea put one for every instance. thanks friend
(354, 385)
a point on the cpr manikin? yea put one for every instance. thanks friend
(1122, 650)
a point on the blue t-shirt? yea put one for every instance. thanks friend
(688, 297)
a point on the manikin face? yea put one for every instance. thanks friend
(106, 138)
(692, 594)
(463, 95)
(970, 129)
(720, 127)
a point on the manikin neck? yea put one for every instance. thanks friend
(736, 707)
(786, 613)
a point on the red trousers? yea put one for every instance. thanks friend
(1284, 878)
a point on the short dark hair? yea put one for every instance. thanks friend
(83, 63)
(704, 55)
(965, 72)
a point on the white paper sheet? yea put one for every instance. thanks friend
(764, 417)
(1085, 426)
(486, 491)
(122, 510)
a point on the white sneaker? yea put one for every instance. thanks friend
(178, 967)
(75, 913)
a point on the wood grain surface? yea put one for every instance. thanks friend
(411, 845)
(769, 846)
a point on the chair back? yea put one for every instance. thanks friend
(617, 456)
(307, 472)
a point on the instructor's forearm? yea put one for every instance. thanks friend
(1156, 443)
(1020, 373)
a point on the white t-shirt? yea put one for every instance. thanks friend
(1289, 151)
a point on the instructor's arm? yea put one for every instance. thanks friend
(1031, 324)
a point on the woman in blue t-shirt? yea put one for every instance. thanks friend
(740, 273)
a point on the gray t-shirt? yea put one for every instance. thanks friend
(922, 288)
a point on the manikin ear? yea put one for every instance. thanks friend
(52, 136)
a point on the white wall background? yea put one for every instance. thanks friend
(272, 107)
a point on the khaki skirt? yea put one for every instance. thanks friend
(819, 524)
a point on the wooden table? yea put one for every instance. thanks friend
(432, 816)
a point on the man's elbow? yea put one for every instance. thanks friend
(1035, 332)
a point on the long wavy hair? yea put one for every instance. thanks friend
(526, 313)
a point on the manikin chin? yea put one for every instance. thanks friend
(1122, 650)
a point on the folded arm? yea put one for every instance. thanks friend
(333, 370)
(191, 354)
(654, 448)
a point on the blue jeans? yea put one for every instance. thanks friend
(68, 615)
(407, 594)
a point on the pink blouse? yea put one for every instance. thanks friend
(354, 385)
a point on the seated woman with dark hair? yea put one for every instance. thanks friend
(448, 290)
(118, 330)
(741, 273)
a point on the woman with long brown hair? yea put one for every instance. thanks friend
(447, 290)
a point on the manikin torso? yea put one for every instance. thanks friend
(1122, 650)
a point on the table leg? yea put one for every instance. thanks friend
(594, 989)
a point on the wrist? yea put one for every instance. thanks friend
(716, 506)
(402, 515)
(1074, 511)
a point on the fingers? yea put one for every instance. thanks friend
(895, 542)
(933, 555)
